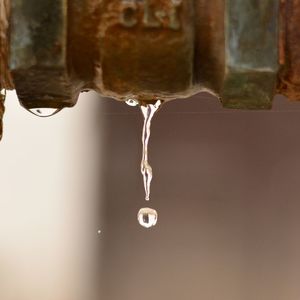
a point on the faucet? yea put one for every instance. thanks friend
(242, 51)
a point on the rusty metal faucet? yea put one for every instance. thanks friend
(243, 51)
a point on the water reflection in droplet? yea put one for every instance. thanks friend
(44, 112)
(132, 102)
(147, 217)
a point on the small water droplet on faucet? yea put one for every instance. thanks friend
(132, 102)
(44, 112)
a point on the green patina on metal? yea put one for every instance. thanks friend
(249, 90)
(38, 53)
(150, 49)
(251, 53)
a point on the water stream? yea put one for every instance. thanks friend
(148, 111)
(147, 217)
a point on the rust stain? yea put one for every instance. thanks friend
(282, 33)
(289, 76)
(165, 48)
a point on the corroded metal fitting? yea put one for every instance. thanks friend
(243, 51)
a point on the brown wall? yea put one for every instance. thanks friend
(225, 185)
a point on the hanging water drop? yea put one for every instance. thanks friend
(132, 102)
(44, 112)
(147, 217)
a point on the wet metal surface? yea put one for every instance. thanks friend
(251, 53)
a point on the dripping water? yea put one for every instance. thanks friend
(147, 217)
(148, 112)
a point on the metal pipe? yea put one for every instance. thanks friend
(243, 51)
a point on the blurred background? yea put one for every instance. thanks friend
(226, 187)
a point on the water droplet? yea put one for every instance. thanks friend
(132, 102)
(44, 112)
(147, 217)
(99, 231)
